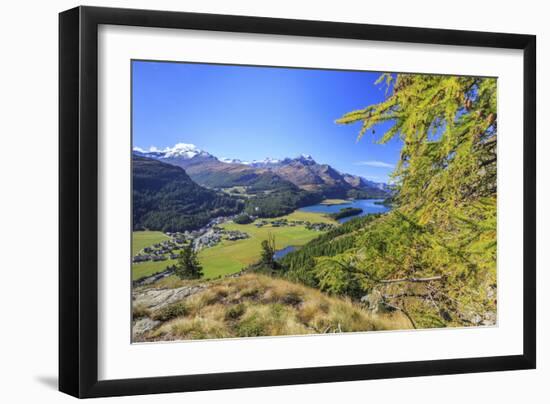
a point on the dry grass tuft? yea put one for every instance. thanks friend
(257, 305)
(192, 328)
(140, 311)
(171, 311)
(172, 282)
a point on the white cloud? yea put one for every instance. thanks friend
(374, 178)
(374, 163)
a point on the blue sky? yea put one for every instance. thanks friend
(251, 113)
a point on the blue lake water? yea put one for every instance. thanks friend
(369, 207)
(282, 252)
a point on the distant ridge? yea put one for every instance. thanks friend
(302, 171)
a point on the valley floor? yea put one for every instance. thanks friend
(229, 257)
(228, 303)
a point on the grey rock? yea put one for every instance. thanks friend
(476, 319)
(489, 318)
(373, 301)
(143, 325)
(154, 299)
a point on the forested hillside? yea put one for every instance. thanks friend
(281, 201)
(165, 198)
(300, 265)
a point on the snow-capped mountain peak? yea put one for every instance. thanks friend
(189, 151)
(186, 150)
(305, 159)
(181, 150)
(232, 161)
(268, 160)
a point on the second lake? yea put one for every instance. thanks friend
(369, 206)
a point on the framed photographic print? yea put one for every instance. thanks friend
(251, 201)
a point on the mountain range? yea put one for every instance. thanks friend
(302, 172)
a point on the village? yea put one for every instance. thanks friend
(205, 237)
(292, 223)
(210, 235)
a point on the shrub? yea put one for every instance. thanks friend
(252, 326)
(292, 298)
(235, 312)
(171, 311)
(250, 293)
(243, 219)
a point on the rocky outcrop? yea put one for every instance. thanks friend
(141, 326)
(373, 301)
(153, 299)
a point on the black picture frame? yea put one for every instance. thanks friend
(78, 196)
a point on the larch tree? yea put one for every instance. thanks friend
(268, 251)
(188, 265)
(434, 256)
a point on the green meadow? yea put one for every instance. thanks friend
(229, 257)
(335, 201)
(142, 239)
(149, 268)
